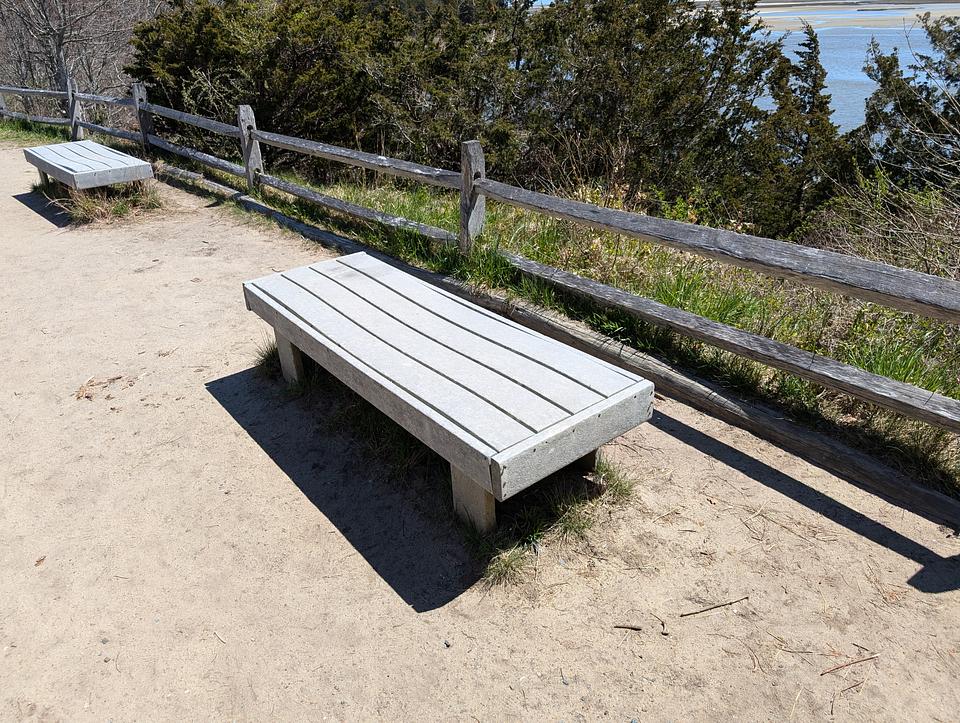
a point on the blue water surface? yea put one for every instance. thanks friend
(843, 52)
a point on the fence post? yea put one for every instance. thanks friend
(3, 106)
(76, 111)
(252, 160)
(473, 205)
(144, 119)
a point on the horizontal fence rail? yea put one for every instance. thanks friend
(109, 131)
(392, 166)
(49, 120)
(198, 156)
(105, 99)
(33, 92)
(208, 124)
(352, 209)
(888, 393)
(903, 289)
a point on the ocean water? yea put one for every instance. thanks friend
(845, 35)
(843, 52)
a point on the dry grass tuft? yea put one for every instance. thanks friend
(267, 360)
(99, 205)
(506, 567)
(560, 510)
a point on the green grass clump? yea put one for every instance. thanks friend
(617, 485)
(267, 360)
(558, 511)
(507, 567)
(109, 203)
(31, 134)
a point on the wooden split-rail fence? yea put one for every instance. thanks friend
(911, 291)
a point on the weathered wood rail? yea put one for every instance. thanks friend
(370, 161)
(207, 124)
(351, 209)
(74, 117)
(898, 288)
(888, 393)
(903, 289)
(109, 131)
(32, 92)
(105, 99)
(49, 120)
(194, 155)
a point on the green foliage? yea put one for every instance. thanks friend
(912, 126)
(652, 102)
(799, 155)
(643, 95)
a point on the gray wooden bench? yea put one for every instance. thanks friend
(85, 164)
(506, 406)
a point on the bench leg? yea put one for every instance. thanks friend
(587, 463)
(473, 503)
(291, 360)
(44, 178)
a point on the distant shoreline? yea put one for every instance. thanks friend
(850, 5)
(790, 14)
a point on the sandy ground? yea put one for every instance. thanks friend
(184, 542)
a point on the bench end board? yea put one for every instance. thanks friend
(516, 468)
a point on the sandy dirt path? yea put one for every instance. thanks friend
(188, 543)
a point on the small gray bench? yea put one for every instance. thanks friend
(85, 164)
(504, 405)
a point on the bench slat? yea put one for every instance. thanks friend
(569, 395)
(578, 367)
(68, 162)
(79, 157)
(533, 412)
(483, 421)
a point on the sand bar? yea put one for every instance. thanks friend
(791, 15)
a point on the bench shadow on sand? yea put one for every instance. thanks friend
(420, 555)
(42, 206)
(939, 574)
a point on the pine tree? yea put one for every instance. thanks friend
(912, 127)
(798, 154)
